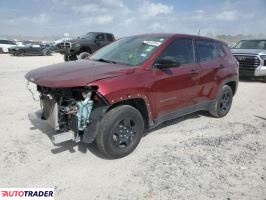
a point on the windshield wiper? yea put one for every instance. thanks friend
(107, 61)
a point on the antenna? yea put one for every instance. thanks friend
(199, 32)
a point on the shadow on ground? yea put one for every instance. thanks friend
(41, 125)
(252, 79)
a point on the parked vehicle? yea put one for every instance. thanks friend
(5, 44)
(133, 85)
(31, 50)
(251, 55)
(88, 43)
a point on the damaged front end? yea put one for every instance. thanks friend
(74, 113)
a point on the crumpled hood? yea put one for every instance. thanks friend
(248, 51)
(75, 73)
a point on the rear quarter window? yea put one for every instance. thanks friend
(109, 37)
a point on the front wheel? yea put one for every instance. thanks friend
(83, 55)
(223, 103)
(120, 132)
(66, 58)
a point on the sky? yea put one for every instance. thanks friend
(128, 17)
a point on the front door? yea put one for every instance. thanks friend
(177, 87)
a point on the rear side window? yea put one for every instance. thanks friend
(180, 50)
(109, 37)
(206, 51)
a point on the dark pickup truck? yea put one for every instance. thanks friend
(84, 45)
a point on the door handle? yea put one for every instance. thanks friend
(194, 71)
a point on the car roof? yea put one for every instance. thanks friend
(100, 33)
(176, 35)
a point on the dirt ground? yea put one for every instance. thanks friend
(193, 157)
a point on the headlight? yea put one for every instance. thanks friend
(263, 57)
(75, 45)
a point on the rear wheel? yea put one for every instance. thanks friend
(21, 53)
(47, 53)
(223, 103)
(264, 79)
(120, 133)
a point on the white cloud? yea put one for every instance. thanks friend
(98, 20)
(40, 19)
(227, 15)
(154, 9)
(89, 8)
(130, 17)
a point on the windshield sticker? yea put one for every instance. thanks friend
(161, 39)
(152, 43)
(143, 55)
(149, 49)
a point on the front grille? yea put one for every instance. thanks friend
(64, 45)
(247, 62)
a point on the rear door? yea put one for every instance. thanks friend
(212, 68)
(177, 87)
(101, 40)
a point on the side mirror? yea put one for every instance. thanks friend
(166, 62)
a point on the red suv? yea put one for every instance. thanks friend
(133, 85)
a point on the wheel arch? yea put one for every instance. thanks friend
(85, 49)
(137, 103)
(232, 85)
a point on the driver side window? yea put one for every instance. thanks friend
(180, 51)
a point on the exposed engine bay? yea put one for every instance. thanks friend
(68, 111)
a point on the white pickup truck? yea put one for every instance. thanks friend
(251, 55)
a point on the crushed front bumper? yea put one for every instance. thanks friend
(50, 115)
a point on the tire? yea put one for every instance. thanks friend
(66, 58)
(21, 53)
(223, 103)
(120, 132)
(72, 57)
(47, 53)
(264, 79)
(84, 55)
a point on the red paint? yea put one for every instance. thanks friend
(156, 87)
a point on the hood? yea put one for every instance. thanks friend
(248, 51)
(76, 73)
(78, 40)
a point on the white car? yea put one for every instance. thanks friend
(61, 40)
(5, 44)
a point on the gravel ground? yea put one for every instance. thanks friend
(193, 157)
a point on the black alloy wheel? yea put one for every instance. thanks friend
(120, 132)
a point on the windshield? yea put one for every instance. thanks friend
(131, 51)
(89, 36)
(251, 44)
